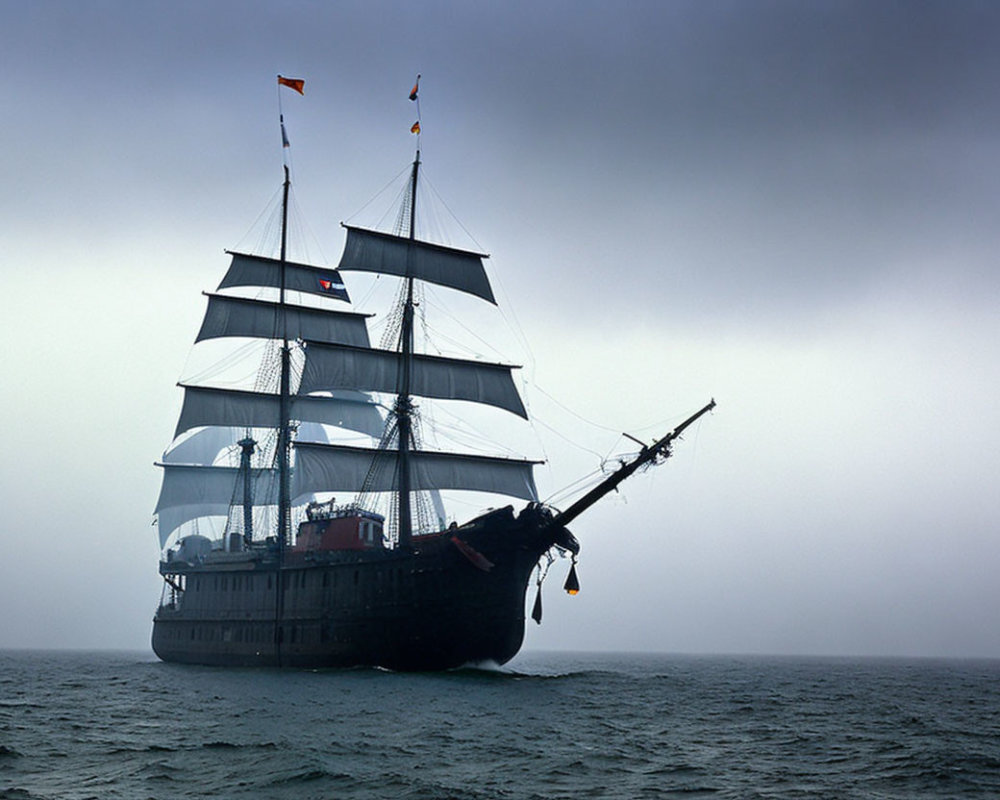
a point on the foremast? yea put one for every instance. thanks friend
(284, 404)
(404, 403)
(284, 381)
(283, 454)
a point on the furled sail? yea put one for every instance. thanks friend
(330, 367)
(374, 251)
(190, 491)
(336, 468)
(248, 270)
(238, 316)
(211, 406)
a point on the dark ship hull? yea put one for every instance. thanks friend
(456, 598)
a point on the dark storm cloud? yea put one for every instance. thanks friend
(781, 157)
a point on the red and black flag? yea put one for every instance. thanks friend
(416, 86)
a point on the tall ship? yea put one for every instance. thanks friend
(293, 577)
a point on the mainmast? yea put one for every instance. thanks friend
(404, 405)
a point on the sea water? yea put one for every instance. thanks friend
(79, 725)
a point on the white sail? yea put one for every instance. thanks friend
(170, 519)
(336, 468)
(202, 447)
(337, 367)
(312, 432)
(211, 406)
(190, 491)
(238, 316)
(373, 251)
(248, 270)
(438, 504)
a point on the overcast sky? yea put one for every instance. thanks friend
(791, 207)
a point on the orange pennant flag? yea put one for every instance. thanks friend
(415, 128)
(297, 84)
